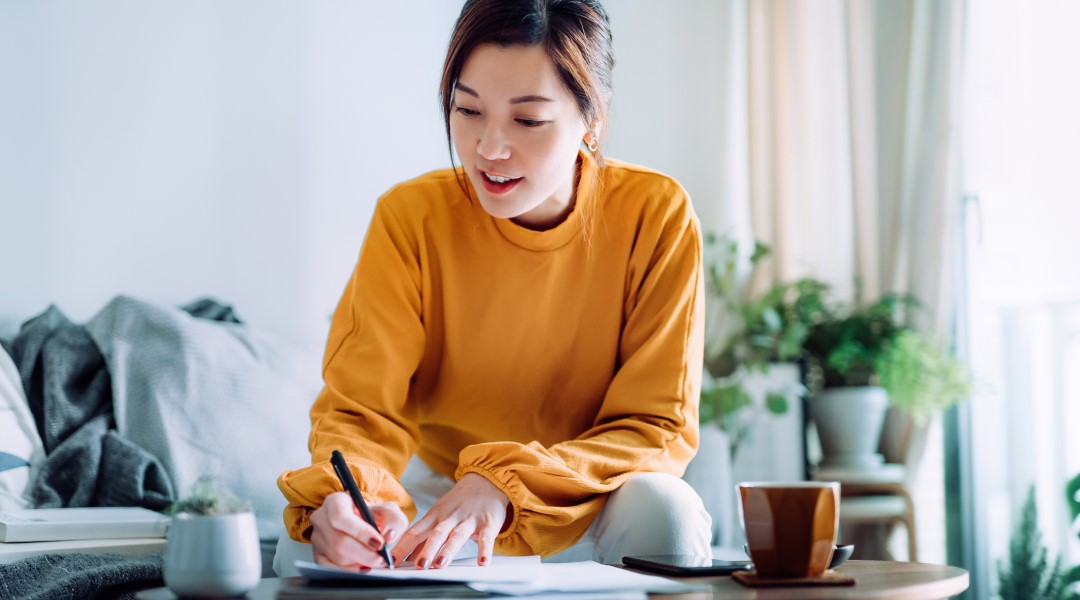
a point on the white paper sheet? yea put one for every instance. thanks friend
(502, 569)
(589, 576)
(634, 595)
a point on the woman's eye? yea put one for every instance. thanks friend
(468, 112)
(531, 122)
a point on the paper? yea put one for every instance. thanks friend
(501, 569)
(518, 576)
(629, 595)
(589, 576)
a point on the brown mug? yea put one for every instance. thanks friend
(790, 527)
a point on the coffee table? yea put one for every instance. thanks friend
(881, 580)
(878, 579)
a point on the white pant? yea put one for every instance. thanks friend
(651, 513)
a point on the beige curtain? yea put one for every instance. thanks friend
(853, 143)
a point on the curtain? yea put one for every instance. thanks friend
(852, 111)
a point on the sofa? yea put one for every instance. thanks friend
(135, 405)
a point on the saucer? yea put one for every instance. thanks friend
(840, 555)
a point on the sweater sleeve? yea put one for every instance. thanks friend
(648, 420)
(375, 345)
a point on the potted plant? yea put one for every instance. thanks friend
(1029, 573)
(859, 362)
(212, 545)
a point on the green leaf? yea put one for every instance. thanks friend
(1028, 573)
(920, 375)
(707, 407)
(777, 403)
(760, 251)
(771, 319)
(732, 399)
(1070, 579)
(1071, 490)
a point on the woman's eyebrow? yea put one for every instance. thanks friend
(516, 100)
(468, 90)
(530, 98)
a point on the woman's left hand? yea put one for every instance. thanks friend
(473, 509)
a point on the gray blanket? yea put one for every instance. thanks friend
(78, 576)
(69, 392)
(209, 399)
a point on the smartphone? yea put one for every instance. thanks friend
(686, 564)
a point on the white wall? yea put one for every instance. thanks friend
(178, 149)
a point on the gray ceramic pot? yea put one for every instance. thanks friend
(212, 556)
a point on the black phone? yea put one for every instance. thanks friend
(686, 564)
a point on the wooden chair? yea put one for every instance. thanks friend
(872, 503)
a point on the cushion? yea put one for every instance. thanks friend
(210, 398)
(21, 451)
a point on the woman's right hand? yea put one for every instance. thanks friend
(342, 538)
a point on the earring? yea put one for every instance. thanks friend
(592, 145)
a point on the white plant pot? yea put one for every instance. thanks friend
(848, 422)
(212, 556)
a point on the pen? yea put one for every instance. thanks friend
(343, 473)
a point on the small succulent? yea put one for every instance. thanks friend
(209, 497)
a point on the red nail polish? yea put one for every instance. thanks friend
(375, 544)
(421, 563)
(483, 560)
(439, 562)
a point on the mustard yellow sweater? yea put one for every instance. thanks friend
(554, 365)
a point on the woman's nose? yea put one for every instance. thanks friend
(492, 144)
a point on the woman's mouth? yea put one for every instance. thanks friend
(498, 184)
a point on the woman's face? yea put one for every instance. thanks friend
(517, 131)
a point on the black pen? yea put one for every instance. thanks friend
(345, 475)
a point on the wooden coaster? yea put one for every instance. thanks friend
(752, 579)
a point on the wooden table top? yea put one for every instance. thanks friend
(884, 580)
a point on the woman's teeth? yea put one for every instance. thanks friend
(496, 178)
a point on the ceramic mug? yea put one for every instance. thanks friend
(212, 555)
(790, 526)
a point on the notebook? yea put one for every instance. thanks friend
(55, 524)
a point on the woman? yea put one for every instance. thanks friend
(529, 326)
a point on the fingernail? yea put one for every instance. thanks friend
(374, 544)
(439, 562)
(483, 560)
(421, 563)
(390, 535)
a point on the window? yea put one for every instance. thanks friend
(1022, 162)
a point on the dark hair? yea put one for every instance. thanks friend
(575, 34)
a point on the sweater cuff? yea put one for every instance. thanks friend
(510, 488)
(306, 489)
